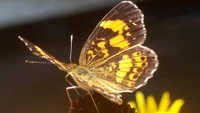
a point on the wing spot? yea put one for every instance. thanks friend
(93, 43)
(125, 56)
(126, 27)
(101, 44)
(144, 64)
(136, 76)
(138, 59)
(116, 39)
(136, 54)
(128, 34)
(126, 65)
(143, 58)
(122, 44)
(130, 83)
(90, 52)
(119, 80)
(132, 76)
(135, 70)
(120, 76)
(138, 64)
(105, 52)
(114, 25)
(134, 24)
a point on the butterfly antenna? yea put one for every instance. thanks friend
(70, 54)
(36, 62)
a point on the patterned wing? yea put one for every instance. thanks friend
(42, 54)
(128, 70)
(120, 29)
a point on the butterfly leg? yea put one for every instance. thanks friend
(72, 87)
(93, 101)
(71, 84)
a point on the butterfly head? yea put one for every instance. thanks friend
(71, 66)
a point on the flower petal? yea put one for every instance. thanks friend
(132, 104)
(176, 106)
(164, 102)
(140, 102)
(151, 104)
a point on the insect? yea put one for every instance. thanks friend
(113, 60)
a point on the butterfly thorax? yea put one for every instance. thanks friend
(82, 76)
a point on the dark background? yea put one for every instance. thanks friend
(173, 32)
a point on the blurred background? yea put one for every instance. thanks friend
(173, 32)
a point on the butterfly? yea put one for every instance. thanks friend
(113, 60)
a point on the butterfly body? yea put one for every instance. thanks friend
(90, 80)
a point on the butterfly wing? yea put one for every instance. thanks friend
(128, 70)
(121, 28)
(115, 52)
(125, 72)
(42, 54)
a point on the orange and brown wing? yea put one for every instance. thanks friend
(120, 29)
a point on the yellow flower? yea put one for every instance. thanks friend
(149, 105)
